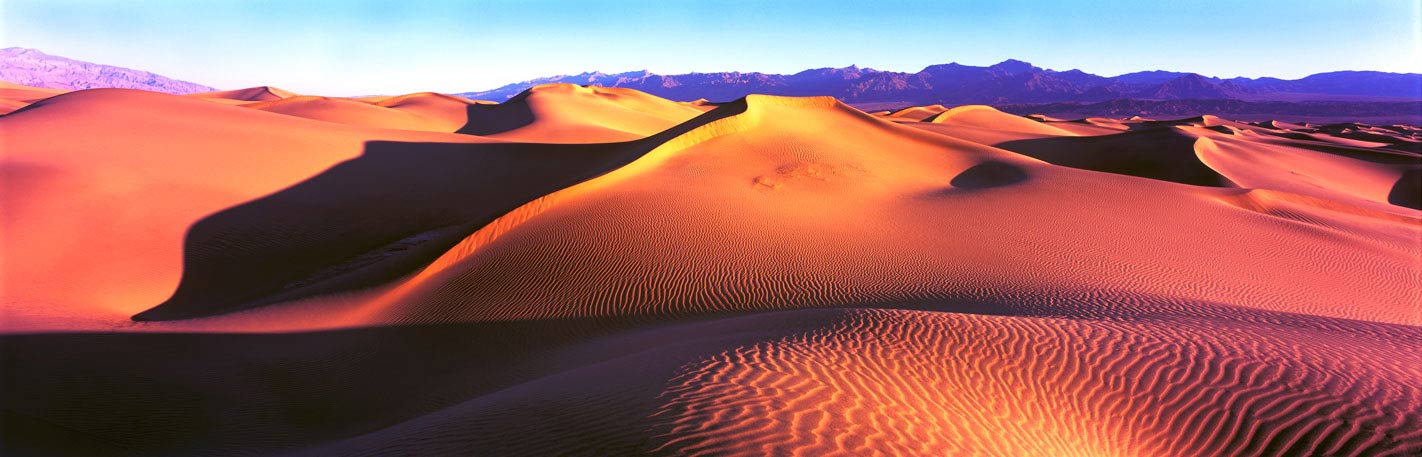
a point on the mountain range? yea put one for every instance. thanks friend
(1011, 81)
(34, 68)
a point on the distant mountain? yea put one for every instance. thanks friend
(34, 68)
(1011, 81)
(1193, 87)
(1149, 77)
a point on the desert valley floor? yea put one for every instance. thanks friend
(582, 270)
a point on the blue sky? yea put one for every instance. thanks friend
(383, 47)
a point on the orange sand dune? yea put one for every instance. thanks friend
(122, 195)
(450, 112)
(990, 118)
(344, 111)
(983, 124)
(16, 96)
(887, 194)
(700, 104)
(312, 251)
(583, 270)
(427, 111)
(250, 94)
(1084, 127)
(917, 113)
(899, 382)
(1363, 174)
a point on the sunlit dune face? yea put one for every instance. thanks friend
(586, 270)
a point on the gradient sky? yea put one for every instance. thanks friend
(386, 47)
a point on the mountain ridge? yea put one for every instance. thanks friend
(1009, 81)
(35, 68)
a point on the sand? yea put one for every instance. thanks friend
(16, 96)
(583, 270)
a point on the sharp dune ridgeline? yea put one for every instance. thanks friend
(594, 270)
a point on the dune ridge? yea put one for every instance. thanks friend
(250, 94)
(567, 113)
(16, 96)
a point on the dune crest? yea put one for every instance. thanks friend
(16, 96)
(990, 118)
(250, 94)
(567, 113)
(346, 111)
(917, 113)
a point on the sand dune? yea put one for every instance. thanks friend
(427, 111)
(142, 178)
(565, 113)
(450, 112)
(854, 382)
(583, 270)
(776, 182)
(701, 104)
(345, 111)
(15, 96)
(917, 113)
(989, 118)
(1167, 154)
(250, 94)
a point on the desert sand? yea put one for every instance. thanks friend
(585, 270)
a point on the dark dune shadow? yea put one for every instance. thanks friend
(491, 119)
(1164, 124)
(257, 394)
(1160, 153)
(988, 174)
(1354, 131)
(377, 217)
(1407, 192)
(1382, 155)
(363, 221)
(185, 393)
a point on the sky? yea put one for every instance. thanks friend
(353, 47)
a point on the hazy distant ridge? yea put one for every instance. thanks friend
(1010, 81)
(37, 69)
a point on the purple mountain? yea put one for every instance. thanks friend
(1011, 81)
(37, 69)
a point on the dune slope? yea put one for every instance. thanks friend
(95, 221)
(885, 205)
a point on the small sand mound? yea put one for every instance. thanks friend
(15, 96)
(988, 117)
(250, 94)
(345, 111)
(917, 113)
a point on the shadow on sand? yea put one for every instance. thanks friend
(184, 393)
(377, 217)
